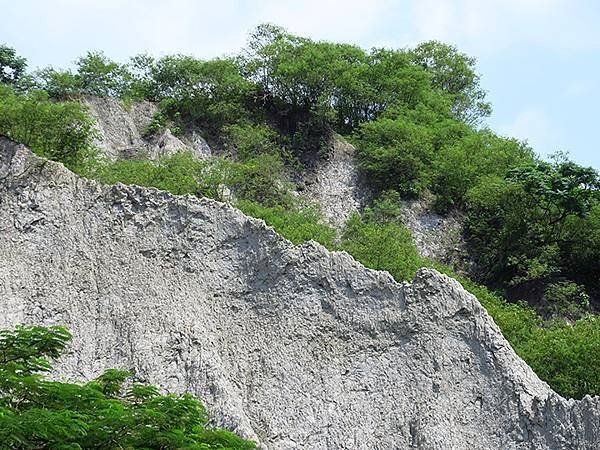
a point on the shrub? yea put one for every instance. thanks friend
(297, 225)
(460, 166)
(177, 174)
(565, 356)
(381, 246)
(261, 179)
(59, 131)
(565, 298)
(395, 155)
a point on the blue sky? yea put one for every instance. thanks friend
(539, 59)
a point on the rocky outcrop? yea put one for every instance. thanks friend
(436, 236)
(293, 346)
(333, 182)
(122, 131)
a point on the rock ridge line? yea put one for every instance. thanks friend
(293, 346)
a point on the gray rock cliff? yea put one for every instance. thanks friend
(293, 346)
(121, 131)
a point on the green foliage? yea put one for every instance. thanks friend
(98, 75)
(58, 131)
(565, 298)
(251, 140)
(39, 413)
(565, 356)
(380, 241)
(257, 179)
(460, 166)
(12, 66)
(296, 225)
(212, 93)
(59, 84)
(381, 246)
(395, 154)
(180, 174)
(157, 123)
(95, 75)
(526, 230)
(454, 73)
(261, 179)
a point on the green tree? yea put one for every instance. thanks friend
(59, 84)
(395, 154)
(39, 413)
(211, 93)
(459, 166)
(525, 229)
(12, 66)
(454, 73)
(100, 76)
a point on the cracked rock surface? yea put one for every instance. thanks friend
(122, 131)
(293, 346)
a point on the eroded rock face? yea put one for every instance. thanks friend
(334, 184)
(293, 346)
(122, 131)
(436, 236)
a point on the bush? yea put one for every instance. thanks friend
(177, 174)
(479, 154)
(59, 131)
(261, 179)
(213, 93)
(566, 356)
(249, 140)
(298, 226)
(395, 154)
(381, 246)
(565, 298)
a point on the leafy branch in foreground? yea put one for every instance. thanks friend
(38, 413)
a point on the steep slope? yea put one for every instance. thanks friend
(122, 131)
(293, 346)
(335, 184)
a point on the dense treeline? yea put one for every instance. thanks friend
(415, 116)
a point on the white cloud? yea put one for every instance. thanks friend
(532, 125)
(494, 24)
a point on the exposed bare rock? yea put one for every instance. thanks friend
(436, 236)
(335, 185)
(293, 346)
(122, 131)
